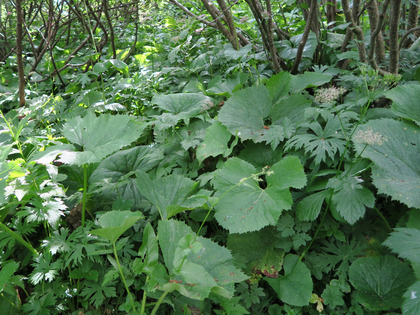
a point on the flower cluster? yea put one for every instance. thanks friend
(329, 95)
(369, 137)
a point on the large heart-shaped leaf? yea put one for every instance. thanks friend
(244, 113)
(380, 281)
(243, 205)
(115, 223)
(393, 147)
(198, 265)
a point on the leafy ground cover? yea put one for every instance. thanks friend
(191, 178)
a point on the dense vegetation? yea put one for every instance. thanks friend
(195, 157)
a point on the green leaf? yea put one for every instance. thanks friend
(332, 295)
(392, 146)
(149, 252)
(243, 205)
(98, 137)
(295, 287)
(183, 104)
(225, 87)
(257, 250)
(380, 281)
(180, 107)
(119, 65)
(168, 194)
(115, 223)
(309, 79)
(322, 143)
(411, 305)
(244, 113)
(295, 113)
(279, 85)
(405, 101)
(308, 209)
(351, 198)
(114, 176)
(406, 243)
(198, 267)
(8, 268)
(215, 142)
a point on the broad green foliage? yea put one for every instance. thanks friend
(183, 176)
(87, 133)
(295, 287)
(180, 107)
(256, 250)
(215, 142)
(392, 146)
(244, 113)
(198, 265)
(405, 242)
(351, 198)
(243, 205)
(114, 176)
(411, 304)
(114, 223)
(380, 281)
(405, 101)
(171, 194)
(309, 79)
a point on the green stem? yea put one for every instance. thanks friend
(84, 200)
(143, 301)
(158, 303)
(383, 218)
(319, 226)
(19, 238)
(122, 277)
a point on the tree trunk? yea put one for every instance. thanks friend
(373, 12)
(394, 52)
(302, 43)
(19, 49)
(357, 30)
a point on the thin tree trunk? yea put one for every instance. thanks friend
(273, 50)
(331, 12)
(413, 19)
(379, 45)
(302, 43)
(373, 37)
(394, 52)
(357, 30)
(111, 29)
(19, 49)
(217, 16)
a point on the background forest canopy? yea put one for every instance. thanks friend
(209, 157)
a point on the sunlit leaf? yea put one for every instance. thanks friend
(115, 223)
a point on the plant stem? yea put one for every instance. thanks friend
(158, 303)
(319, 226)
(383, 218)
(122, 277)
(84, 200)
(143, 302)
(19, 238)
